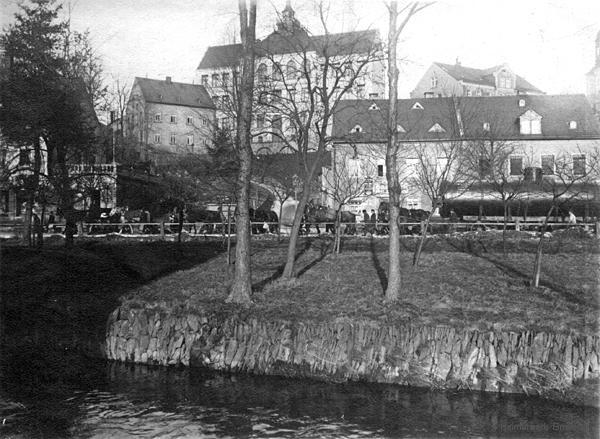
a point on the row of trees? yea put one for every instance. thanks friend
(50, 87)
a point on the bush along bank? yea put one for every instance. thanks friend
(554, 365)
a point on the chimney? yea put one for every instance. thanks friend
(457, 61)
(168, 80)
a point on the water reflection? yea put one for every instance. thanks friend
(115, 400)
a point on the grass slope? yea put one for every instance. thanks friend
(476, 288)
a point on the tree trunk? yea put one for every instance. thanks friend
(392, 291)
(419, 249)
(338, 231)
(537, 266)
(241, 290)
(504, 227)
(290, 265)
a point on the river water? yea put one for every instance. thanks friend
(66, 396)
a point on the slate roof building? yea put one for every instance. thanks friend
(593, 80)
(167, 118)
(280, 78)
(541, 129)
(442, 80)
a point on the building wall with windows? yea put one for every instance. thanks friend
(557, 135)
(443, 80)
(167, 118)
(280, 85)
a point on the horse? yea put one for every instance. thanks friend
(318, 214)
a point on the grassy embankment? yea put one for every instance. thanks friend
(461, 281)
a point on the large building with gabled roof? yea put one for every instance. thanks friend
(280, 79)
(442, 80)
(542, 131)
(167, 118)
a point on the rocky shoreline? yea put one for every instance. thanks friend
(559, 366)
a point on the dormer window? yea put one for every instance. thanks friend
(400, 128)
(437, 128)
(417, 106)
(486, 126)
(373, 106)
(573, 125)
(530, 123)
(356, 129)
(521, 103)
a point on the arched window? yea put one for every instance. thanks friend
(261, 72)
(290, 69)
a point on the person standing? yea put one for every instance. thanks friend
(373, 221)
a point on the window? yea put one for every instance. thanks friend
(573, 125)
(485, 166)
(215, 80)
(516, 166)
(173, 139)
(428, 94)
(417, 106)
(276, 96)
(260, 139)
(157, 117)
(225, 123)
(225, 101)
(276, 123)
(521, 102)
(205, 80)
(437, 128)
(548, 164)
(373, 106)
(400, 128)
(261, 72)
(380, 171)
(486, 126)
(292, 95)
(225, 78)
(469, 92)
(23, 157)
(156, 138)
(190, 140)
(530, 123)
(368, 185)
(276, 71)
(356, 129)
(360, 90)
(579, 164)
(479, 92)
(173, 118)
(373, 95)
(434, 81)
(290, 70)
(260, 120)
(204, 122)
(190, 120)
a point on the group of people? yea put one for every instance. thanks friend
(370, 222)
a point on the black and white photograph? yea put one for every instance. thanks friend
(299, 219)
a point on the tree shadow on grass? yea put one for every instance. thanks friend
(308, 242)
(383, 280)
(516, 273)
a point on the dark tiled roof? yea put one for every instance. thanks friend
(174, 93)
(483, 76)
(282, 167)
(221, 56)
(501, 112)
(279, 42)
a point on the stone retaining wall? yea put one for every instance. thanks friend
(440, 357)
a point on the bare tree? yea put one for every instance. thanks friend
(241, 289)
(441, 174)
(393, 146)
(574, 175)
(347, 179)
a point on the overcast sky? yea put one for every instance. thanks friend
(548, 42)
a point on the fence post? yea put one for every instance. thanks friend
(162, 230)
